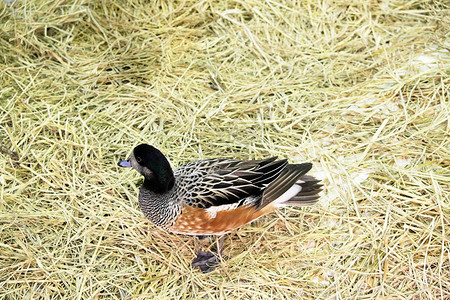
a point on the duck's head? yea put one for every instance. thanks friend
(153, 165)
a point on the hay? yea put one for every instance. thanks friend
(359, 89)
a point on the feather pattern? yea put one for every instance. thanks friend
(216, 182)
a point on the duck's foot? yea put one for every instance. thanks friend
(207, 261)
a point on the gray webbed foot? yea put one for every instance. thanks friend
(207, 261)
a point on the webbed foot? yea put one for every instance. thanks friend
(207, 261)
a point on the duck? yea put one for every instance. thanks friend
(213, 197)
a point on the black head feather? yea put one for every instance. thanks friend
(160, 179)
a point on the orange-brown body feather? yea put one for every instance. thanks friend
(198, 221)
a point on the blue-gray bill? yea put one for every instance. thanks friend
(125, 163)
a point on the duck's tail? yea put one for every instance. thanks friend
(308, 195)
(292, 187)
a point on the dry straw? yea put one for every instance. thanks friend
(359, 88)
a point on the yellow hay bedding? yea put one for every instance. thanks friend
(359, 88)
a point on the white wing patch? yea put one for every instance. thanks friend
(213, 210)
(291, 192)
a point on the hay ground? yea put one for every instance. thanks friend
(359, 88)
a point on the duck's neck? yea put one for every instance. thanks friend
(159, 185)
(161, 180)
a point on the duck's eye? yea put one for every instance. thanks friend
(138, 159)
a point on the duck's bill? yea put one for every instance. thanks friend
(125, 163)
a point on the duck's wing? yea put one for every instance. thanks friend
(217, 182)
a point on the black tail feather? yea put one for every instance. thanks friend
(309, 193)
(288, 177)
